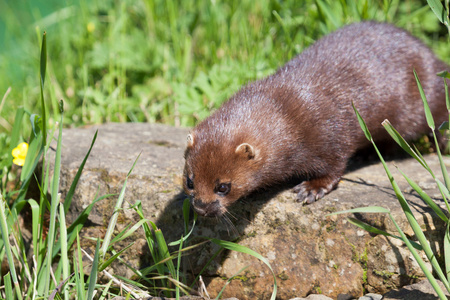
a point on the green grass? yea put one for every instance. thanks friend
(168, 61)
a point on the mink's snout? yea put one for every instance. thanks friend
(212, 209)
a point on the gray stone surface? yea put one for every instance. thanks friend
(181, 298)
(314, 297)
(418, 291)
(371, 296)
(309, 251)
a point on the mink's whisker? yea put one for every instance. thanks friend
(229, 224)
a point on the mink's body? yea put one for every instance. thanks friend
(300, 121)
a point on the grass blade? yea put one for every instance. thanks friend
(228, 282)
(94, 272)
(447, 251)
(446, 124)
(43, 66)
(149, 237)
(428, 114)
(430, 121)
(444, 192)
(33, 156)
(8, 286)
(68, 198)
(79, 273)
(403, 143)
(186, 212)
(286, 31)
(126, 233)
(64, 249)
(177, 288)
(35, 223)
(164, 253)
(15, 133)
(117, 208)
(438, 9)
(105, 291)
(441, 163)
(367, 227)
(427, 199)
(113, 258)
(362, 124)
(375, 230)
(328, 14)
(368, 209)
(54, 204)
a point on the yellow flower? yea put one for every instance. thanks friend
(90, 27)
(19, 153)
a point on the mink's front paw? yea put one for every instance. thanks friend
(307, 194)
(312, 190)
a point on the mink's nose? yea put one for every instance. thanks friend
(211, 209)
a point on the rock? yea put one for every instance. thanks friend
(344, 297)
(310, 251)
(418, 291)
(181, 298)
(314, 297)
(371, 296)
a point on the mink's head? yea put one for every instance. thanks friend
(219, 171)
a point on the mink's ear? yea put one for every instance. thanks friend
(190, 141)
(246, 151)
(189, 146)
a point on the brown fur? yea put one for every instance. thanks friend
(300, 122)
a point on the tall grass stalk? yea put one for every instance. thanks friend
(48, 252)
(117, 209)
(418, 233)
(442, 13)
(54, 205)
(64, 249)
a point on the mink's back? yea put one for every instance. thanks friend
(368, 63)
(372, 65)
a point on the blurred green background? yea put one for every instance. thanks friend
(168, 61)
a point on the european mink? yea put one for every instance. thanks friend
(299, 122)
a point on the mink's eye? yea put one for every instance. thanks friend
(189, 183)
(223, 188)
